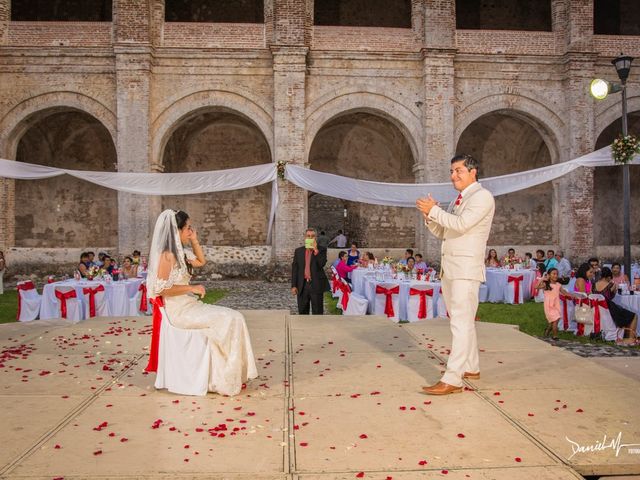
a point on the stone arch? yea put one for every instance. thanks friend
(28, 112)
(609, 114)
(190, 105)
(529, 109)
(347, 101)
(218, 138)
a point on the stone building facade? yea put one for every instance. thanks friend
(378, 90)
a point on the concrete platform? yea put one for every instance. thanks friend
(337, 397)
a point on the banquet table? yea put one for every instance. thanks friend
(370, 282)
(630, 302)
(117, 295)
(497, 280)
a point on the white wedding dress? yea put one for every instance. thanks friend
(232, 361)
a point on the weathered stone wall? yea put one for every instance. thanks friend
(143, 78)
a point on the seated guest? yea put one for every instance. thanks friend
(411, 263)
(584, 278)
(595, 265)
(551, 261)
(529, 261)
(407, 253)
(84, 264)
(342, 267)
(420, 264)
(511, 255)
(107, 266)
(100, 261)
(492, 259)
(129, 270)
(371, 258)
(91, 261)
(617, 276)
(354, 254)
(135, 257)
(622, 317)
(337, 260)
(563, 265)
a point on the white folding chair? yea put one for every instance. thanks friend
(29, 301)
(184, 359)
(95, 302)
(514, 291)
(336, 292)
(567, 308)
(69, 305)
(602, 320)
(483, 294)
(387, 300)
(351, 303)
(420, 304)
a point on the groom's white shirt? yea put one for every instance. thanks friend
(464, 230)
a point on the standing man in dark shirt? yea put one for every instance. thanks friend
(308, 280)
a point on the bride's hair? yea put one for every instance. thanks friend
(181, 221)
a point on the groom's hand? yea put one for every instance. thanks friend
(426, 204)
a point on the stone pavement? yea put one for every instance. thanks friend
(337, 398)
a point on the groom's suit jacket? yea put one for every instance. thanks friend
(464, 230)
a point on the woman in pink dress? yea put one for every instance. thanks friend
(552, 290)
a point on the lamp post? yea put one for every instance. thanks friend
(600, 89)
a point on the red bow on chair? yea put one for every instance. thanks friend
(581, 301)
(335, 283)
(92, 298)
(422, 311)
(144, 306)
(63, 297)
(388, 292)
(516, 286)
(596, 304)
(344, 288)
(23, 286)
(565, 311)
(152, 366)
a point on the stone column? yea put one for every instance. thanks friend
(7, 187)
(292, 23)
(289, 67)
(438, 106)
(133, 55)
(573, 212)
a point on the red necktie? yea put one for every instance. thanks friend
(459, 199)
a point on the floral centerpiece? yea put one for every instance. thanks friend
(511, 262)
(624, 148)
(94, 271)
(387, 261)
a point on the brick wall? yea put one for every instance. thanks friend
(214, 35)
(505, 42)
(365, 38)
(65, 34)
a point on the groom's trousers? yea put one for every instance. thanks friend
(461, 299)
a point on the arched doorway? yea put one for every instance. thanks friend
(65, 211)
(608, 198)
(508, 142)
(365, 146)
(218, 139)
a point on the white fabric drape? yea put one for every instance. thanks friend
(406, 194)
(152, 183)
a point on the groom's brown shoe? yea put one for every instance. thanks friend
(441, 388)
(471, 376)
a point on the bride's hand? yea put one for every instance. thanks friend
(193, 236)
(198, 290)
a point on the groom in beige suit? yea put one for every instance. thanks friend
(464, 230)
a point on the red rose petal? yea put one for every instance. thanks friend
(530, 414)
(444, 472)
(496, 393)
(422, 462)
(461, 435)
(303, 444)
(98, 452)
(124, 439)
(363, 436)
(518, 459)
(360, 475)
(579, 410)
(57, 447)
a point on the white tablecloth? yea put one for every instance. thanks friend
(117, 293)
(497, 283)
(630, 302)
(369, 292)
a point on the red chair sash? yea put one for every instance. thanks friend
(346, 291)
(92, 298)
(144, 305)
(516, 279)
(388, 292)
(565, 312)
(63, 297)
(422, 311)
(335, 283)
(152, 366)
(596, 304)
(24, 287)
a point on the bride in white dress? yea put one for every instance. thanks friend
(169, 273)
